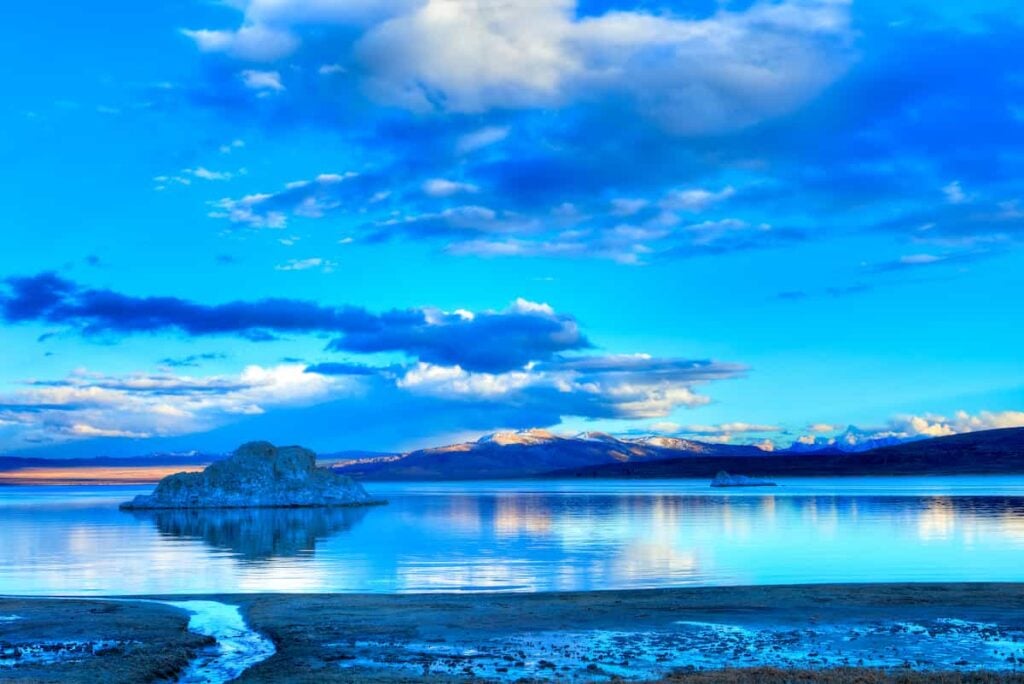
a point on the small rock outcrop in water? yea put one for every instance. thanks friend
(724, 479)
(257, 475)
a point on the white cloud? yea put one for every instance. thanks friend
(140, 405)
(574, 390)
(480, 138)
(709, 232)
(939, 426)
(206, 174)
(624, 206)
(235, 144)
(247, 210)
(442, 187)
(254, 42)
(262, 81)
(954, 193)
(728, 428)
(920, 259)
(693, 76)
(324, 265)
(916, 426)
(696, 199)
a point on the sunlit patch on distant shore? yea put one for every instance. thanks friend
(93, 475)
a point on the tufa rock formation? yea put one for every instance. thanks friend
(257, 475)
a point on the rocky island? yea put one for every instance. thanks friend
(257, 475)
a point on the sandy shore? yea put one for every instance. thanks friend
(927, 632)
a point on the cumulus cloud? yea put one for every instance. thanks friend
(544, 103)
(87, 404)
(907, 427)
(633, 387)
(691, 76)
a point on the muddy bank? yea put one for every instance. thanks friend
(885, 631)
(71, 641)
(849, 633)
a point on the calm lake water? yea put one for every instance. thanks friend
(522, 536)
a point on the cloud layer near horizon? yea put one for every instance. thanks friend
(522, 366)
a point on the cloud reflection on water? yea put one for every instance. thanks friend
(488, 536)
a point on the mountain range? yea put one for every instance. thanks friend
(539, 453)
(543, 454)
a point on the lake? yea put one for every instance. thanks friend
(521, 536)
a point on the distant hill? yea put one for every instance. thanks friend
(538, 453)
(533, 453)
(986, 452)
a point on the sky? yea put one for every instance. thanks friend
(391, 224)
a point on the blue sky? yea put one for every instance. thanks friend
(389, 224)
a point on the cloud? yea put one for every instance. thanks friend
(725, 429)
(928, 259)
(485, 340)
(89, 405)
(627, 387)
(306, 198)
(230, 147)
(480, 138)
(192, 360)
(489, 341)
(442, 187)
(690, 76)
(696, 199)
(419, 400)
(906, 427)
(206, 174)
(256, 43)
(323, 265)
(954, 193)
(818, 129)
(262, 80)
(342, 368)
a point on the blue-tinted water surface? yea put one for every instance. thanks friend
(522, 536)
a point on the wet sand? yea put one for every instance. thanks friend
(925, 632)
(44, 640)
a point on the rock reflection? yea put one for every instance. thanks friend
(256, 534)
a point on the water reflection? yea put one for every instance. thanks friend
(256, 534)
(512, 536)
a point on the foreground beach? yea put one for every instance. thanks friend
(881, 632)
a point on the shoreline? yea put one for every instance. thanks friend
(700, 633)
